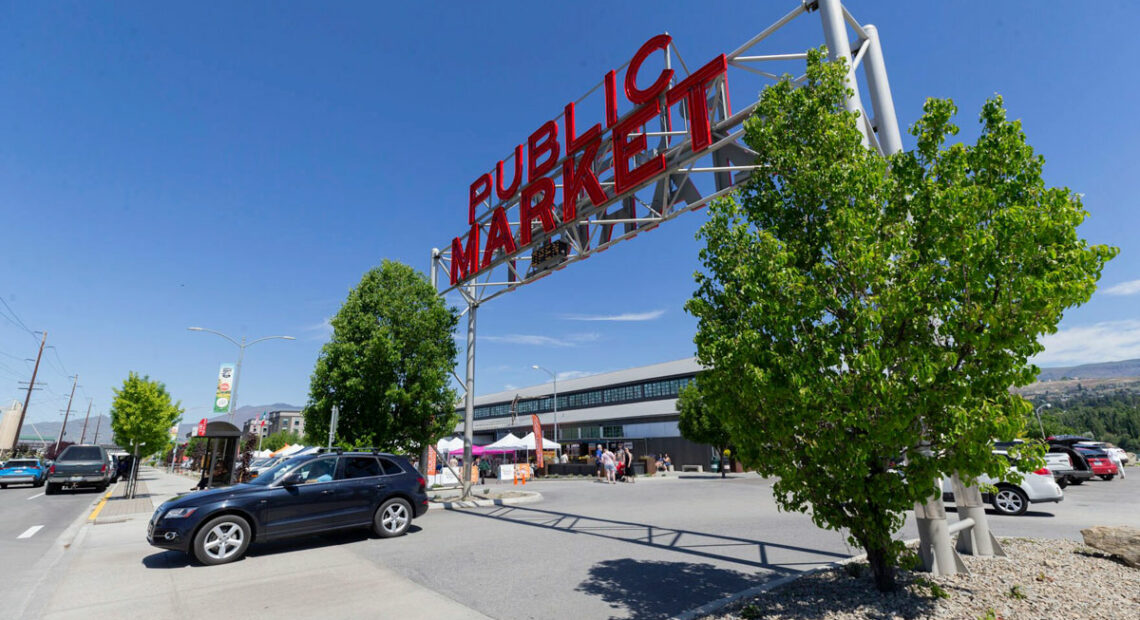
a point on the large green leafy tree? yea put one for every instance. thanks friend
(387, 366)
(142, 413)
(700, 424)
(853, 309)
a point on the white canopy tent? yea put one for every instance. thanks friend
(510, 442)
(455, 444)
(547, 444)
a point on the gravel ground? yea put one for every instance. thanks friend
(1040, 579)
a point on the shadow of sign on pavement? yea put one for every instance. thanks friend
(776, 557)
(650, 589)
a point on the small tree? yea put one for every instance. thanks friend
(388, 365)
(699, 424)
(853, 309)
(278, 440)
(142, 413)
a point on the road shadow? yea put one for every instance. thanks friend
(177, 559)
(744, 551)
(645, 589)
(994, 513)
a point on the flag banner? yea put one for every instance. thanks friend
(225, 389)
(537, 439)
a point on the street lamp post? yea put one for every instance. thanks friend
(1039, 424)
(554, 378)
(241, 354)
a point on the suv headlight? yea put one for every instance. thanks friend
(179, 513)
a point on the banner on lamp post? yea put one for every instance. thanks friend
(222, 399)
(202, 427)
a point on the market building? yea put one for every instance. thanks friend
(635, 407)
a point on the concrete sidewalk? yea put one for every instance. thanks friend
(111, 571)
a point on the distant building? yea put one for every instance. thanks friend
(635, 407)
(275, 421)
(8, 422)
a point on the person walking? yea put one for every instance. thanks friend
(627, 459)
(609, 462)
(598, 466)
(484, 470)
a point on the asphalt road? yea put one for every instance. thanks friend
(30, 524)
(662, 546)
(592, 550)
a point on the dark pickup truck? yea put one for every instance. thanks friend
(87, 466)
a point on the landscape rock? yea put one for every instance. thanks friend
(1121, 541)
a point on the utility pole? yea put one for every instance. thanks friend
(31, 385)
(83, 435)
(98, 422)
(63, 428)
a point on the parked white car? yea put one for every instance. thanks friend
(1010, 499)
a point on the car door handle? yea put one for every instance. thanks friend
(381, 486)
(326, 492)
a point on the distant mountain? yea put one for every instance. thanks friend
(1102, 370)
(50, 430)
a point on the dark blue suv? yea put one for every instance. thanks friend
(298, 496)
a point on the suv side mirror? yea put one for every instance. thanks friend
(292, 479)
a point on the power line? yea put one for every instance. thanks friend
(18, 322)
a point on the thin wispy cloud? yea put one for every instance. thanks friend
(572, 340)
(319, 331)
(1101, 342)
(627, 316)
(1132, 287)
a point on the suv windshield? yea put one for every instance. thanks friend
(275, 473)
(82, 453)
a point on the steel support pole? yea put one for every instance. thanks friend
(556, 409)
(433, 276)
(839, 46)
(938, 556)
(28, 397)
(469, 399)
(875, 70)
(977, 540)
(237, 377)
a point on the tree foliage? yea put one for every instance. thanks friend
(142, 413)
(854, 308)
(1107, 416)
(701, 425)
(278, 440)
(387, 366)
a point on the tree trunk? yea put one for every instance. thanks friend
(883, 571)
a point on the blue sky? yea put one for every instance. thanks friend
(239, 165)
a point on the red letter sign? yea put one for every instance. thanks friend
(624, 148)
(480, 191)
(499, 237)
(465, 262)
(542, 211)
(575, 180)
(635, 95)
(505, 193)
(692, 90)
(545, 140)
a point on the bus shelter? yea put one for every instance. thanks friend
(223, 440)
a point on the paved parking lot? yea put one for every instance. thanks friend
(589, 550)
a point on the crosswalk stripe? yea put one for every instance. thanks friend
(31, 531)
(35, 496)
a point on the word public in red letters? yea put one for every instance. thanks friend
(573, 152)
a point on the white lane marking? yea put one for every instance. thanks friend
(31, 531)
(35, 496)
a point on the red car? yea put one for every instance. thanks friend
(1099, 463)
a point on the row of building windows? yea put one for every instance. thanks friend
(648, 390)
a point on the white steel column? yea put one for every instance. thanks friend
(469, 399)
(838, 46)
(875, 69)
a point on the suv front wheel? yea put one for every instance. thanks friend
(392, 518)
(222, 540)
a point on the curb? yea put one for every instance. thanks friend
(531, 497)
(103, 502)
(717, 605)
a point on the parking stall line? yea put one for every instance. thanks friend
(35, 496)
(31, 531)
